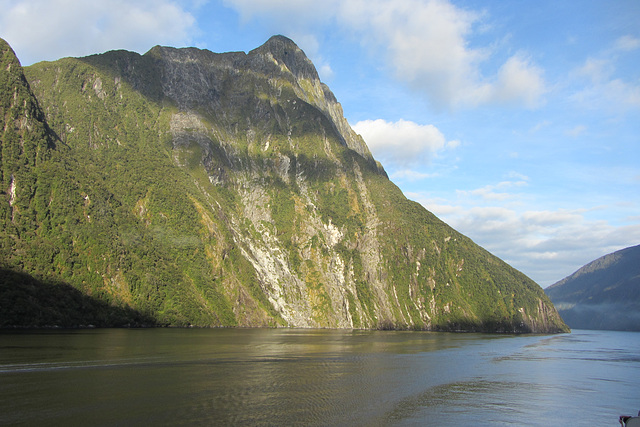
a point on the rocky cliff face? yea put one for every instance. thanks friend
(229, 190)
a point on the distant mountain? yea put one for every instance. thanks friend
(604, 294)
(185, 187)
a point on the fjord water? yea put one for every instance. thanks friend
(316, 377)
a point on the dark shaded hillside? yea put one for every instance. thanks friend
(28, 302)
(604, 294)
(197, 188)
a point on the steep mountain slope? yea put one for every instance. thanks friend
(228, 190)
(604, 294)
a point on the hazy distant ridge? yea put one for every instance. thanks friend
(603, 294)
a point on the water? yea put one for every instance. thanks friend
(316, 377)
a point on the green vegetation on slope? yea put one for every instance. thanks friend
(183, 187)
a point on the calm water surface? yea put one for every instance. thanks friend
(316, 377)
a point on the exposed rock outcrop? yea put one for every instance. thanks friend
(229, 190)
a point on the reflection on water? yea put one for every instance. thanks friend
(316, 377)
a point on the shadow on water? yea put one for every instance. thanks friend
(28, 302)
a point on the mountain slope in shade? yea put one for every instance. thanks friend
(196, 188)
(604, 294)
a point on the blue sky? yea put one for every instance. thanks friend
(518, 123)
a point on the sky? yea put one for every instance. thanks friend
(516, 122)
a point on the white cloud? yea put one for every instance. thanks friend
(325, 72)
(519, 82)
(517, 175)
(539, 126)
(547, 245)
(424, 43)
(285, 13)
(600, 88)
(403, 143)
(51, 29)
(596, 70)
(613, 96)
(489, 192)
(627, 43)
(623, 93)
(551, 218)
(577, 131)
(411, 175)
(427, 43)
(453, 144)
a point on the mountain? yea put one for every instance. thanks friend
(185, 187)
(604, 294)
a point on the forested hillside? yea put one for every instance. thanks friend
(184, 187)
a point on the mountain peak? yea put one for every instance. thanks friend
(6, 50)
(9, 62)
(284, 51)
(22, 122)
(279, 39)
